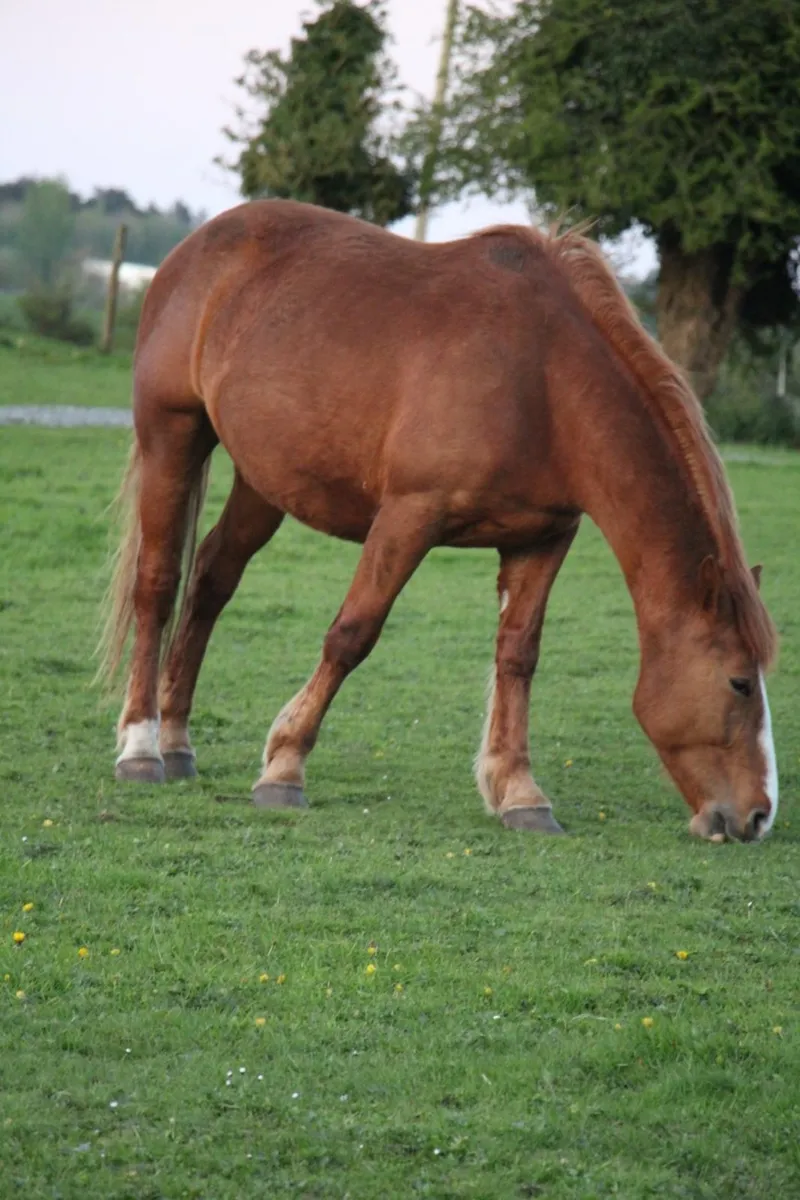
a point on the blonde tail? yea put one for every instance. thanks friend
(118, 603)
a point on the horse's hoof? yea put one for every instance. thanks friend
(538, 819)
(179, 764)
(140, 770)
(279, 795)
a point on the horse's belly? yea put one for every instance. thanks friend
(511, 530)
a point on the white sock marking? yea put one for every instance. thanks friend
(767, 746)
(140, 740)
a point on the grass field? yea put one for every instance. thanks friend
(40, 371)
(193, 1011)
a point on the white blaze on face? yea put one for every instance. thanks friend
(139, 740)
(767, 747)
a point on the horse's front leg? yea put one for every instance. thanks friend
(503, 765)
(400, 537)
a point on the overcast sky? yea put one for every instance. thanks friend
(134, 94)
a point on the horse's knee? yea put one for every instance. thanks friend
(516, 659)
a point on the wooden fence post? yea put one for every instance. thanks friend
(113, 289)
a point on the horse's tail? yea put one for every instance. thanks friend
(118, 603)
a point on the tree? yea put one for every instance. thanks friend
(317, 135)
(683, 116)
(45, 228)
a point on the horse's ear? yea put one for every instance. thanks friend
(756, 573)
(710, 583)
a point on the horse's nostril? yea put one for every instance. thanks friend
(717, 825)
(757, 822)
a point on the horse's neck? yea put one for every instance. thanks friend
(637, 492)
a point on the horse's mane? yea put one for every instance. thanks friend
(665, 390)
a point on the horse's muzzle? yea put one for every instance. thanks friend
(720, 823)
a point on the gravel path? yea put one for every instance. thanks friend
(69, 416)
(62, 415)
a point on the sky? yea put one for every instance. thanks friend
(134, 94)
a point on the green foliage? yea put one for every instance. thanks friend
(316, 136)
(49, 311)
(745, 405)
(642, 294)
(45, 229)
(129, 313)
(151, 235)
(43, 225)
(113, 1067)
(683, 116)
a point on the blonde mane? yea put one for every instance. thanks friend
(669, 394)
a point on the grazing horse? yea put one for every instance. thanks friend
(482, 392)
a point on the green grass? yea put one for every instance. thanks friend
(113, 1066)
(36, 370)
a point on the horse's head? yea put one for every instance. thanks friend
(702, 701)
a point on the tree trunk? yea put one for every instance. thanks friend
(697, 308)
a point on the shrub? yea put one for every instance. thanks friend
(129, 313)
(49, 311)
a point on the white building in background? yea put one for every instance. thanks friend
(132, 276)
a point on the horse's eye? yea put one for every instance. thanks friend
(743, 686)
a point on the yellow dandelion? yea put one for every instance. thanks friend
(83, 952)
(6, 978)
(488, 993)
(281, 979)
(261, 1021)
(263, 977)
(397, 967)
(682, 955)
(568, 762)
(20, 994)
(618, 1027)
(370, 969)
(329, 992)
(18, 937)
(115, 952)
(372, 948)
(601, 816)
(778, 1029)
(47, 823)
(398, 987)
(27, 907)
(648, 1022)
(467, 851)
(652, 885)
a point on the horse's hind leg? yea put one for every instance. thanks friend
(400, 537)
(503, 766)
(172, 449)
(247, 523)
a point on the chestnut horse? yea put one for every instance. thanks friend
(483, 392)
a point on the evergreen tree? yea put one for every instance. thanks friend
(316, 136)
(45, 229)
